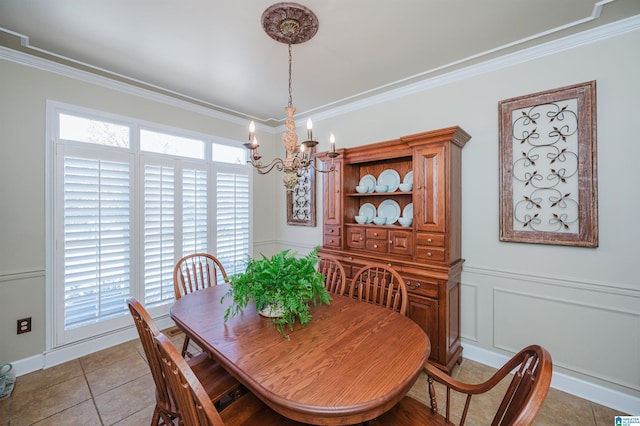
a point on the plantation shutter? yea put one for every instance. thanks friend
(129, 199)
(159, 233)
(232, 219)
(97, 240)
(194, 211)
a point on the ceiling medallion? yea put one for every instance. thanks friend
(290, 23)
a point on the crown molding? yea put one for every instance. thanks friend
(345, 105)
(615, 29)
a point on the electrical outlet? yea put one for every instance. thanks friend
(24, 325)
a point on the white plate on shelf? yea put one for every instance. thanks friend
(389, 209)
(368, 210)
(391, 178)
(369, 181)
(408, 178)
(408, 211)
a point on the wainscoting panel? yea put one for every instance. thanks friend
(581, 337)
(469, 312)
(592, 329)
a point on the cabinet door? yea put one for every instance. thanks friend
(424, 311)
(429, 204)
(355, 237)
(401, 243)
(332, 184)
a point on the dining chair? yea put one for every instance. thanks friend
(195, 405)
(335, 278)
(381, 285)
(195, 272)
(532, 369)
(217, 383)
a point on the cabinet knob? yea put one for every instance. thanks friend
(417, 285)
(375, 234)
(389, 265)
(375, 246)
(429, 254)
(361, 239)
(429, 240)
(350, 258)
(408, 283)
(390, 242)
(331, 241)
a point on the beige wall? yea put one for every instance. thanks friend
(583, 304)
(24, 91)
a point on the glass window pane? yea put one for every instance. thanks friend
(93, 131)
(163, 143)
(229, 154)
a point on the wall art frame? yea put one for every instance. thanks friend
(301, 202)
(548, 167)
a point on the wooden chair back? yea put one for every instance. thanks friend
(381, 285)
(335, 278)
(532, 370)
(193, 401)
(528, 388)
(197, 271)
(147, 330)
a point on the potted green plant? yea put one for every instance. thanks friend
(281, 286)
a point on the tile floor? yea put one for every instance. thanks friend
(114, 387)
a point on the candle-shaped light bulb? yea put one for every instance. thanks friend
(254, 142)
(252, 130)
(309, 129)
(332, 141)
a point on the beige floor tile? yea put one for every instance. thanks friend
(142, 417)
(561, 408)
(604, 415)
(48, 401)
(37, 380)
(117, 373)
(138, 345)
(5, 411)
(83, 414)
(107, 356)
(121, 402)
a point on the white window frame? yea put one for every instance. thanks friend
(56, 337)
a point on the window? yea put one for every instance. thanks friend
(129, 201)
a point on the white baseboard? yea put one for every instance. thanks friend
(76, 350)
(611, 398)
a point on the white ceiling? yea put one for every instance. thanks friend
(216, 52)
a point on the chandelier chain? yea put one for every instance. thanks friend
(291, 23)
(290, 104)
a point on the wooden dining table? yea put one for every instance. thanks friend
(351, 363)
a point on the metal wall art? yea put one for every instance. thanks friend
(548, 183)
(301, 202)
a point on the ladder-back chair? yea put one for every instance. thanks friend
(381, 285)
(216, 381)
(532, 369)
(195, 272)
(335, 279)
(195, 406)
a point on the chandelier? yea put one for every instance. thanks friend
(290, 23)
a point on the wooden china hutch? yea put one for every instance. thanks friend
(428, 253)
